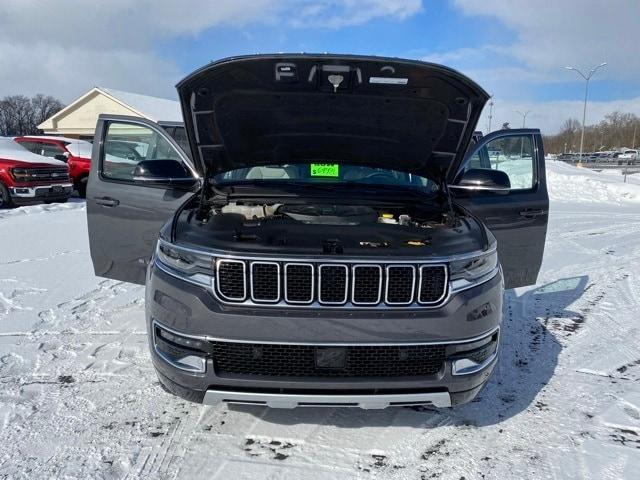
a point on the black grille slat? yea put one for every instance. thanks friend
(299, 360)
(433, 283)
(299, 280)
(367, 281)
(333, 284)
(265, 282)
(231, 279)
(400, 284)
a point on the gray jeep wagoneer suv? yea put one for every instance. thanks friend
(334, 235)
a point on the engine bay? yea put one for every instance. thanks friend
(330, 228)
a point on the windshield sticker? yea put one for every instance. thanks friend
(325, 170)
(389, 80)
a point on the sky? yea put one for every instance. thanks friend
(515, 49)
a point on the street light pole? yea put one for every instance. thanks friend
(524, 117)
(490, 114)
(586, 77)
(524, 123)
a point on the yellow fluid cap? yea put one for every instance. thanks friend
(387, 215)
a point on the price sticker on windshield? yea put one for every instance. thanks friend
(325, 170)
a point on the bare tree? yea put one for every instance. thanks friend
(20, 115)
(615, 131)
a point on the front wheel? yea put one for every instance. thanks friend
(81, 187)
(5, 197)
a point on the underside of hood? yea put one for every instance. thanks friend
(378, 112)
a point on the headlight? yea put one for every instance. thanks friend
(184, 263)
(20, 174)
(473, 269)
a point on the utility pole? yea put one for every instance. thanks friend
(586, 77)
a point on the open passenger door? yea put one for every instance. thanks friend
(139, 177)
(516, 210)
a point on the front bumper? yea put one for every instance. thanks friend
(31, 194)
(468, 320)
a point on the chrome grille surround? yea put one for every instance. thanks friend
(354, 277)
(220, 264)
(252, 289)
(286, 286)
(388, 284)
(321, 285)
(308, 277)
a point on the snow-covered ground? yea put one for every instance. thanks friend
(79, 398)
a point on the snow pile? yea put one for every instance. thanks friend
(567, 183)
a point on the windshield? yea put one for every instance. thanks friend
(326, 173)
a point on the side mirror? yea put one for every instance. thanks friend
(61, 156)
(162, 172)
(484, 179)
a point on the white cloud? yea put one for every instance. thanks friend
(66, 47)
(546, 37)
(583, 33)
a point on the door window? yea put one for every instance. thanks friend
(513, 154)
(127, 144)
(50, 150)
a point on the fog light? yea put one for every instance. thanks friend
(21, 190)
(182, 352)
(473, 361)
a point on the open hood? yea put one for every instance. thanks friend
(299, 108)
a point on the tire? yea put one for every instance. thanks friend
(5, 198)
(81, 187)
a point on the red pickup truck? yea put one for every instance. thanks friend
(76, 153)
(26, 178)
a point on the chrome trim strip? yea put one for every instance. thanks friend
(332, 344)
(413, 285)
(251, 264)
(346, 284)
(445, 292)
(353, 284)
(313, 283)
(284, 400)
(354, 259)
(219, 262)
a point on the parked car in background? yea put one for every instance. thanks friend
(27, 178)
(332, 239)
(76, 153)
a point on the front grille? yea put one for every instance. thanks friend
(299, 282)
(302, 360)
(332, 284)
(265, 281)
(433, 282)
(231, 279)
(366, 284)
(400, 284)
(41, 174)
